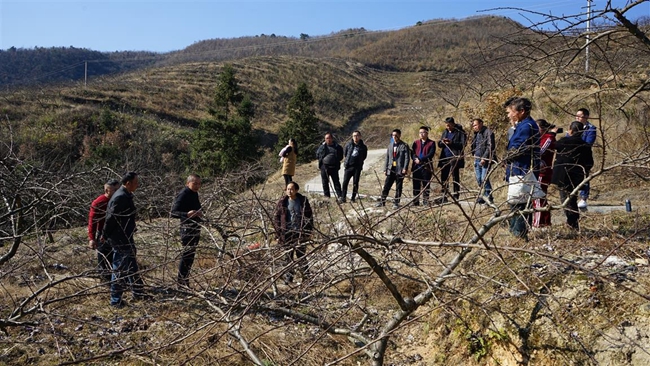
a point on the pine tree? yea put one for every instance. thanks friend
(223, 143)
(302, 124)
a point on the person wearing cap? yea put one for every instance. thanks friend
(452, 158)
(572, 162)
(589, 136)
(522, 157)
(547, 152)
(187, 208)
(96, 219)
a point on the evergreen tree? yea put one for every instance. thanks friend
(302, 124)
(223, 143)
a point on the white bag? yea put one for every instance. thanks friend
(524, 188)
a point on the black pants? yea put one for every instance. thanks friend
(447, 170)
(421, 184)
(571, 210)
(391, 178)
(287, 179)
(295, 249)
(189, 240)
(354, 173)
(327, 172)
(104, 261)
(519, 223)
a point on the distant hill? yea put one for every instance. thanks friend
(19, 67)
(436, 45)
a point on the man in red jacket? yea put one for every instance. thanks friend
(96, 219)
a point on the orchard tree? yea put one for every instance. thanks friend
(225, 142)
(302, 124)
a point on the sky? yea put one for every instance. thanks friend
(169, 25)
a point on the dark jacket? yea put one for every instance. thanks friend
(483, 145)
(453, 151)
(523, 148)
(282, 218)
(329, 155)
(186, 201)
(573, 158)
(120, 219)
(355, 160)
(401, 157)
(424, 152)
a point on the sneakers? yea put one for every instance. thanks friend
(380, 204)
(480, 201)
(582, 204)
(395, 205)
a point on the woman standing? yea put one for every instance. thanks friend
(288, 157)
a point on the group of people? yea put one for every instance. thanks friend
(532, 151)
(112, 224)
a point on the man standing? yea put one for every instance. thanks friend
(187, 208)
(588, 136)
(451, 158)
(355, 153)
(96, 219)
(522, 156)
(118, 230)
(395, 168)
(573, 159)
(483, 147)
(422, 152)
(294, 222)
(329, 156)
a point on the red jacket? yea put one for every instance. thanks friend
(97, 216)
(547, 151)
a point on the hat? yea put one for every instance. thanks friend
(543, 124)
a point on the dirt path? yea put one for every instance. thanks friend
(373, 161)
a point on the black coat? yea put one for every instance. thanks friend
(456, 146)
(187, 200)
(573, 159)
(120, 219)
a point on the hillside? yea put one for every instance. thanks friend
(417, 285)
(435, 45)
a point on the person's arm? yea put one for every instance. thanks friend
(179, 211)
(113, 210)
(363, 152)
(339, 152)
(413, 153)
(589, 134)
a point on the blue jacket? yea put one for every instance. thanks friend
(523, 148)
(589, 134)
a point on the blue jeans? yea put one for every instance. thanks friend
(125, 269)
(482, 178)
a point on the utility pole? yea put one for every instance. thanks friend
(587, 41)
(85, 73)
